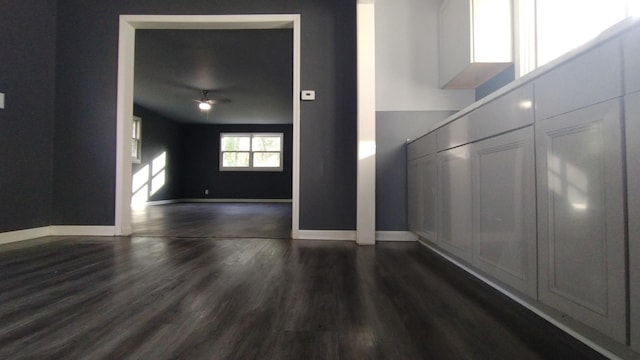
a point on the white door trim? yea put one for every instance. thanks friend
(366, 167)
(126, 57)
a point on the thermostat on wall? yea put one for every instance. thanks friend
(308, 95)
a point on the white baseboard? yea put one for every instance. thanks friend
(65, 230)
(345, 235)
(26, 234)
(396, 236)
(161, 202)
(56, 230)
(350, 235)
(232, 200)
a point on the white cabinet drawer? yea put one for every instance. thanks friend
(422, 146)
(454, 134)
(511, 111)
(590, 78)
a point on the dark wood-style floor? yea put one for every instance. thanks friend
(148, 297)
(214, 220)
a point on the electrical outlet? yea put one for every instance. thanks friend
(206, 191)
(308, 95)
(1, 100)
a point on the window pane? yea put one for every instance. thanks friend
(136, 128)
(235, 159)
(235, 143)
(266, 143)
(134, 149)
(567, 24)
(271, 160)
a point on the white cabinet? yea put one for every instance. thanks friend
(428, 217)
(421, 186)
(413, 195)
(504, 209)
(581, 230)
(631, 55)
(421, 200)
(454, 201)
(632, 126)
(474, 41)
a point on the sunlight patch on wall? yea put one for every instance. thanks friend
(149, 180)
(159, 174)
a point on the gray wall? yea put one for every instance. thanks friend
(27, 65)
(160, 134)
(393, 128)
(503, 78)
(200, 160)
(85, 116)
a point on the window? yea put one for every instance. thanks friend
(136, 144)
(251, 151)
(547, 29)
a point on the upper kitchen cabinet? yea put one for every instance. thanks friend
(475, 41)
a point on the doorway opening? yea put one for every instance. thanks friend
(128, 26)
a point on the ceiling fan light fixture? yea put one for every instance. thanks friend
(204, 106)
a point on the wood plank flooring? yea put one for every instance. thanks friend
(172, 297)
(230, 220)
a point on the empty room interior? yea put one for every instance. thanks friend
(320, 179)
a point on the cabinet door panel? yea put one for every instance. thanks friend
(413, 195)
(631, 54)
(581, 216)
(632, 127)
(454, 190)
(428, 169)
(504, 227)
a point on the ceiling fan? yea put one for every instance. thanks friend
(205, 104)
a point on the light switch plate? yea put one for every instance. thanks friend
(1, 100)
(308, 95)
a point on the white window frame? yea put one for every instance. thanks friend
(251, 167)
(526, 39)
(136, 138)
